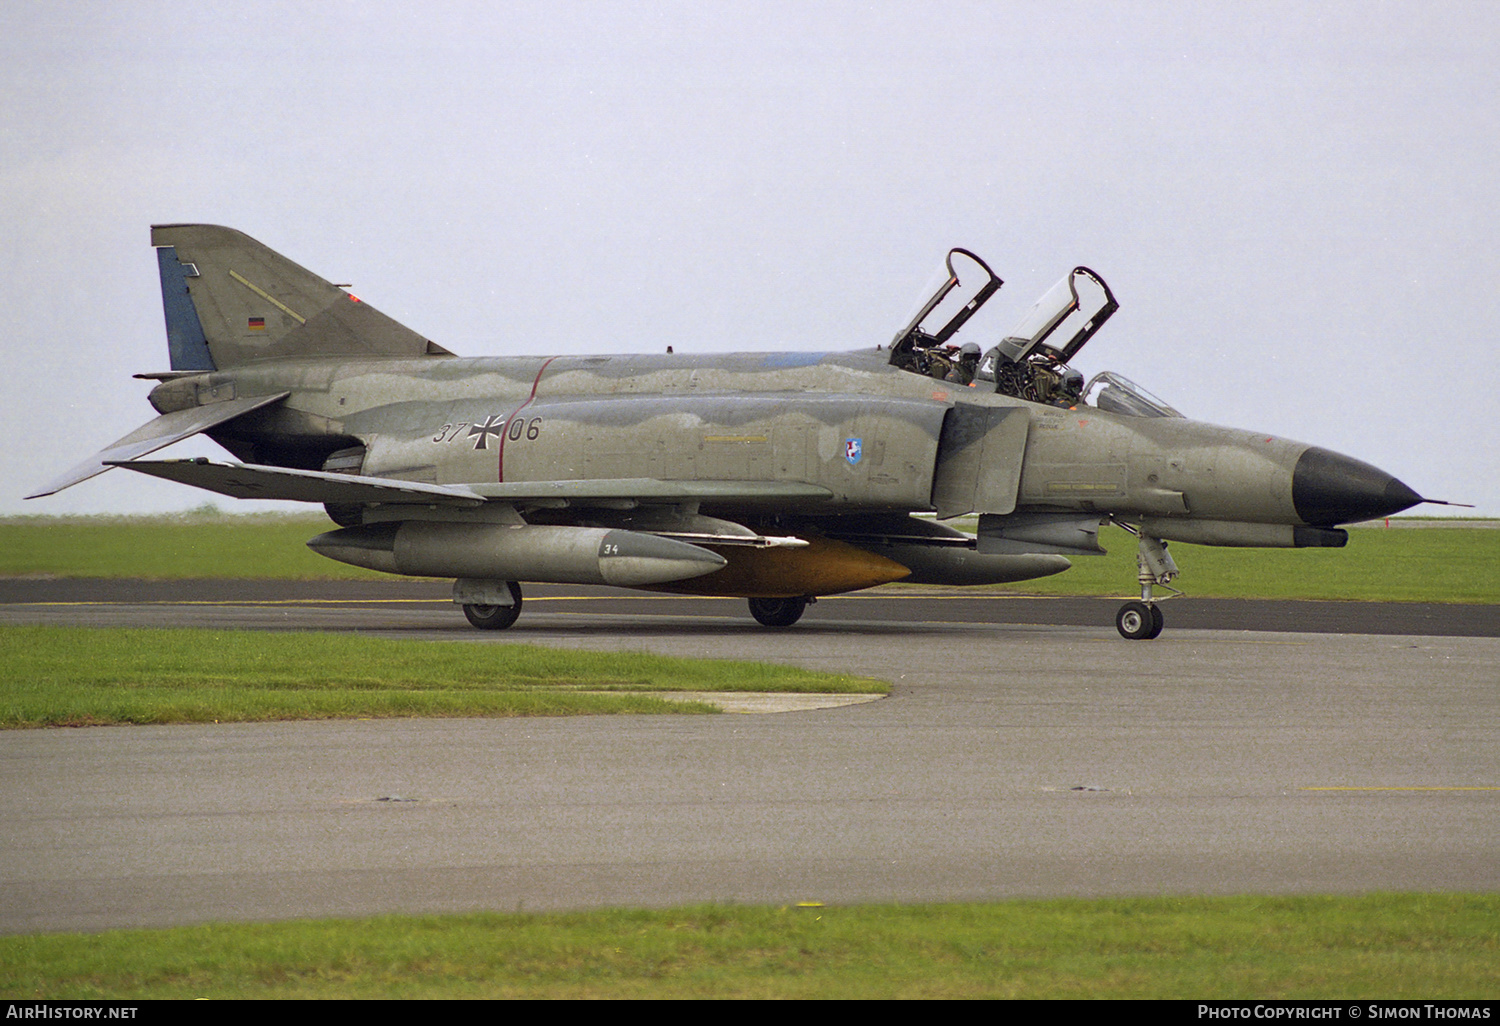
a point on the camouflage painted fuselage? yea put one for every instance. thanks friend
(872, 441)
(749, 417)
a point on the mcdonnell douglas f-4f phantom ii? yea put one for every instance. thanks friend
(775, 477)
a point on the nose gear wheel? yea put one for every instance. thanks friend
(1139, 621)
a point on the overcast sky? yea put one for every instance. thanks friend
(1296, 204)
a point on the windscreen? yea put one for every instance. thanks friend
(1115, 393)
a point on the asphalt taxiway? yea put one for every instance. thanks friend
(1021, 753)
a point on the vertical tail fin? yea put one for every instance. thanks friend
(230, 300)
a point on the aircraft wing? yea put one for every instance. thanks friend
(250, 481)
(158, 434)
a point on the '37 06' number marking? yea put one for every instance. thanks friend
(492, 427)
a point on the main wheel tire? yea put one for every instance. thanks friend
(1158, 621)
(1136, 621)
(496, 618)
(778, 612)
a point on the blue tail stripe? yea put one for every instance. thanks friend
(185, 341)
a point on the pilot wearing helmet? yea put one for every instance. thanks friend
(1070, 390)
(962, 369)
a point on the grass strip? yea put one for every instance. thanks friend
(1386, 946)
(1438, 564)
(77, 676)
(204, 544)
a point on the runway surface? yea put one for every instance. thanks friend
(899, 603)
(1017, 756)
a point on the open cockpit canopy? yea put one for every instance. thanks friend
(1063, 320)
(1031, 362)
(958, 291)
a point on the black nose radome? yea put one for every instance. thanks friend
(1331, 489)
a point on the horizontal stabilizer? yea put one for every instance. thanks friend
(160, 433)
(248, 481)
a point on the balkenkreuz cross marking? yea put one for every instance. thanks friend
(492, 425)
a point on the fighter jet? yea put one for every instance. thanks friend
(775, 477)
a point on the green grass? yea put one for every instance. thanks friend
(203, 544)
(69, 676)
(1401, 946)
(1437, 564)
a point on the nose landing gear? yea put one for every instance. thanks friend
(1143, 620)
(1139, 621)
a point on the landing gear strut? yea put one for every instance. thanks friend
(779, 612)
(1143, 620)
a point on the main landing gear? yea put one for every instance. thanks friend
(779, 612)
(1143, 620)
(494, 617)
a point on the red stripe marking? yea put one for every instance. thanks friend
(514, 413)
